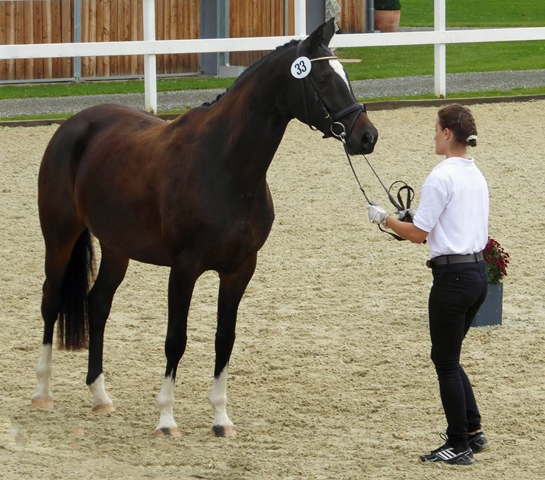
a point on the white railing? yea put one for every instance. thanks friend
(150, 47)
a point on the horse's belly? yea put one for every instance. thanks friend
(135, 243)
(130, 228)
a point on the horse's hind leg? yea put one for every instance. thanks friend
(56, 262)
(232, 288)
(110, 275)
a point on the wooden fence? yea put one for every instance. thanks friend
(35, 22)
(257, 18)
(53, 21)
(263, 18)
(122, 20)
(353, 16)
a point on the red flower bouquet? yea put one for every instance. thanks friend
(496, 259)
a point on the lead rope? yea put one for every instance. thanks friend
(400, 204)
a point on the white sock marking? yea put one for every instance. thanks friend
(166, 403)
(218, 399)
(339, 70)
(99, 392)
(43, 372)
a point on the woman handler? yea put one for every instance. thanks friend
(453, 217)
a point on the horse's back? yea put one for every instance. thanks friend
(75, 134)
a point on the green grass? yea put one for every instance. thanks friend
(46, 116)
(103, 87)
(476, 13)
(388, 62)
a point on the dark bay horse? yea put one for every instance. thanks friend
(190, 194)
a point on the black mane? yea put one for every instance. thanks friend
(251, 68)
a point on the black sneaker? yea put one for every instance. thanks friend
(446, 454)
(478, 443)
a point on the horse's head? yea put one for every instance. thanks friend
(320, 94)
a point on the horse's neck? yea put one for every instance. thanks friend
(254, 118)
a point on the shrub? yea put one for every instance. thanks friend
(387, 5)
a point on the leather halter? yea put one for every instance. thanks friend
(343, 135)
(334, 118)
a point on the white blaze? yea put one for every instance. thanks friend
(339, 70)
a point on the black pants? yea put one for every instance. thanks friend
(457, 293)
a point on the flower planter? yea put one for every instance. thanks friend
(387, 20)
(490, 312)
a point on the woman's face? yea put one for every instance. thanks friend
(440, 139)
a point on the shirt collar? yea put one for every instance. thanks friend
(466, 162)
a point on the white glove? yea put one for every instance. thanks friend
(377, 214)
(406, 215)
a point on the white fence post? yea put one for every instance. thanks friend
(440, 50)
(300, 17)
(150, 61)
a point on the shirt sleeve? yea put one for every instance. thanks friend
(433, 200)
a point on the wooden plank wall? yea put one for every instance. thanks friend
(36, 21)
(352, 16)
(261, 18)
(256, 18)
(52, 21)
(122, 20)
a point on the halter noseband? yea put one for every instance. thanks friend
(334, 118)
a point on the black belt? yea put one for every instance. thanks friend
(450, 259)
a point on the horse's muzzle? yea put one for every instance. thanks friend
(363, 144)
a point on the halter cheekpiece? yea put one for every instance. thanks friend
(336, 128)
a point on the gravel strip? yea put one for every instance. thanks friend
(418, 85)
(456, 82)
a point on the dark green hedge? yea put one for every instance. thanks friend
(387, 5)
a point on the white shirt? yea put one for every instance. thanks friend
(454, 208)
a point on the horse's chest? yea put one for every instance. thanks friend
(247, 228)
(244, 230)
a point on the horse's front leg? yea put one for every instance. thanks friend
(232, 287)
(180, 289)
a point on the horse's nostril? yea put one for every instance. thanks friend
(368, 138)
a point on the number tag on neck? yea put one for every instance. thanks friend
(301, 67)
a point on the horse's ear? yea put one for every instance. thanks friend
(323, 34)
(329, 31)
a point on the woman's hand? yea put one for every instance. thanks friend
(377, 214)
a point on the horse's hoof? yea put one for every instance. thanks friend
(45, 403)
(220, 431)
(105, 408)
(168, 432)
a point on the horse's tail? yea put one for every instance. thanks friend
(73, 318)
